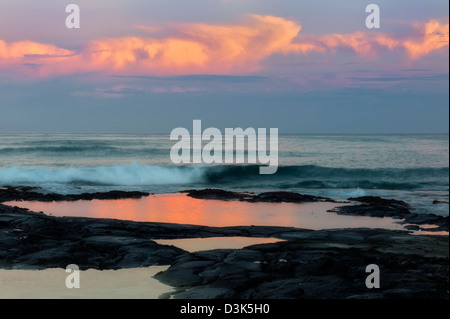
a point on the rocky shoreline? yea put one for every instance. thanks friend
(371, 206)
(266, 197)
(25, 193)
(322, 264)
(380, 207)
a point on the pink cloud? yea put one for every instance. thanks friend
(427, 38)
(432, 36)
(238, 48)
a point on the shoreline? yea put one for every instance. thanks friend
(311, 264)
(182, 209)
(363, 206)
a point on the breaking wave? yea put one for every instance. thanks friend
(302, 176)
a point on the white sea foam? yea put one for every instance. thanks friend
(357, 193)
(133, 174)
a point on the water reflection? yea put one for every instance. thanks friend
(181, 209)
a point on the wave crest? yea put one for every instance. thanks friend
(302, 176)
(134, 174)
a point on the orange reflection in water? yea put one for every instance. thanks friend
(181, 209)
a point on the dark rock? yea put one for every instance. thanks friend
(287, 197)
(219, 194)
(379, 201)
(271, 197)
(375, 206)
(315, 268)
(35, 240)
(23, 193)
(323, 264)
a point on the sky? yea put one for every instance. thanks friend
(152, 66)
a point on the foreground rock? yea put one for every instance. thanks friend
(375, 206)
(34, 240)
(309, 264)
(318, 265)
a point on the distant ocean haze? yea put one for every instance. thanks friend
(413, 168)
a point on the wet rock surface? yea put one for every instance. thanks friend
(31, 240)
(374, 206)
(34, 240)
(322, 264)
(23, 193)
(319, 265)
(267, 197)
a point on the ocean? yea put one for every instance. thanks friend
(413, 168)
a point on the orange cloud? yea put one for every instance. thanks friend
(29, 57)
(146, 55)
(433, 37)
(197, 48)
(200, 48)
(210, 49)
(360, 42)
(21, 49)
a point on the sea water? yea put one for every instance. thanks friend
(413, 168)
